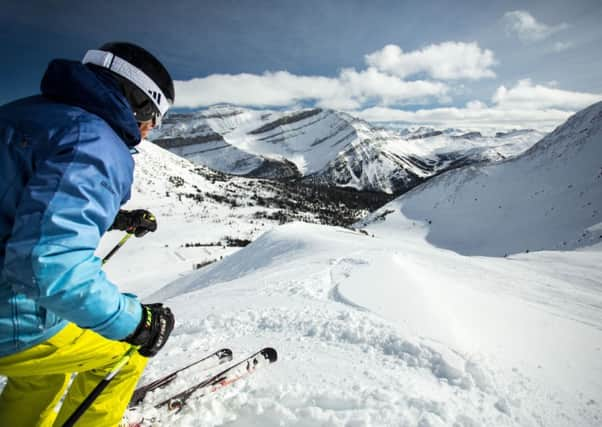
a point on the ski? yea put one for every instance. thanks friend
(207, 362)
(222, 379)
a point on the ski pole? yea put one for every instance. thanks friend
(117, 247)
(100, 387)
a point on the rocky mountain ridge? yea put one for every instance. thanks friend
(328, 148)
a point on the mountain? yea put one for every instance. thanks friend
(222, 212)
(548, 198)
(327, 147)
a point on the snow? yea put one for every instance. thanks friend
(389, 331)
(146, 264)
(550, 198)
(407, 322)
(417, 319)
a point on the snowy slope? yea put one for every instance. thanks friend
(327, 147)
(192, 136)
(202, 213)
(389, 329)
(548, 198)
(182, 195)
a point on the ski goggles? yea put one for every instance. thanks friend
(144, 109)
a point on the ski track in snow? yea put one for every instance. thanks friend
(340, 271)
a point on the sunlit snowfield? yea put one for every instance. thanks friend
(475, 299)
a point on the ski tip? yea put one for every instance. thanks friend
(270, 354)
(224, 353)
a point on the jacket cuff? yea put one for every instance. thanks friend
(125, 321)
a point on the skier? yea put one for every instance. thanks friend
(65, 169)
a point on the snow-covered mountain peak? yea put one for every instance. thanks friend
(575, 132)
(549, 198)
(327, 147)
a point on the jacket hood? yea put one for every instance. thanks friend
(94, 90)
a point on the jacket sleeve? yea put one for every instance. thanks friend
(68, 204)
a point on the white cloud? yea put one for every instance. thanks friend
(371, 83)
(470, 117)
(382, 86)
(383, 82)
(524, 105)
(348, 91)
(526, 95)
(527, 28)
(269, 89)
(445, 61)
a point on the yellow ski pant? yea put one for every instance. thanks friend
(38, 377)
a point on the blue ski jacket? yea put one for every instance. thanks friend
(65, 170)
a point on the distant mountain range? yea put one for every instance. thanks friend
(327, 147)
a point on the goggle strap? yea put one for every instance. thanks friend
(130, 72)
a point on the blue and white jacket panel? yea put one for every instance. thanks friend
(64, 173)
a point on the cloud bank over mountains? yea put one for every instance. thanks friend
(349, 91)
(525, 104)
(383, 82)
(414, 86)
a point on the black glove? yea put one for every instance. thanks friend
(138, 221)
(153, 330)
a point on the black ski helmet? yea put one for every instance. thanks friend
(146, 83)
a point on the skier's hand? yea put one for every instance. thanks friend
(139, 222)
(153, 330)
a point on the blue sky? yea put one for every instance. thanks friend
(416, 61)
